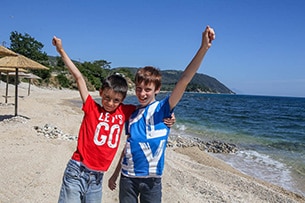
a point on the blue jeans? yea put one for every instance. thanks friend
(80, 185)
(149, 190)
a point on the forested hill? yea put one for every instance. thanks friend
(200, 82)
(94, 72)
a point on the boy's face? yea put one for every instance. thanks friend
(111, 99)
(146, 93)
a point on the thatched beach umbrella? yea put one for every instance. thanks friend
(17, 62)
(22, 73)
(31, 76)
(7, 71)
(6, 52)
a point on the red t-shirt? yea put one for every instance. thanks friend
(99, 134)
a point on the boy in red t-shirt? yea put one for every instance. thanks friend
(99, 135)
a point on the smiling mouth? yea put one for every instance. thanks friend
(143, 99)
(108, 108)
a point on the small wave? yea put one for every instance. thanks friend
(181, 127)
(260, 166)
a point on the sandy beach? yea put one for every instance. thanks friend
(33, 165)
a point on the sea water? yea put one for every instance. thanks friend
(268, 131)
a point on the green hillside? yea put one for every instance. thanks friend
(200, 82)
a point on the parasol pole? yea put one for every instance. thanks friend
(16, 92)
(6, 89)
(29, 89)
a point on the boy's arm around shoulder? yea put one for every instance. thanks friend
(207, 37)
(81, 84)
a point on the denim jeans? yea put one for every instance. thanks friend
(149, 190)
(80, 185)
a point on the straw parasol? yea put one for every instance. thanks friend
(11, 69)
(22, 73)
(7, 72)
(20, 61)
(31, 76)
(17, 62)
(6, 52)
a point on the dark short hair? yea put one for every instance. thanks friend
(117, 83)
(149, 74)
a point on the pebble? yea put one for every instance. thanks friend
(14, 119)
(53, 132)
(210, 146)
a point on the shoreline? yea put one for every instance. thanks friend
(34, 164)
(266, 168)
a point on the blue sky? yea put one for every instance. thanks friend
(259, 47)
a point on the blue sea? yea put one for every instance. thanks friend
(268, 131)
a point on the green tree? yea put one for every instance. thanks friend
(59, 65)
(60, 62)
(31, 48)
(28, 46)
(102, 64)
(63, 80)
(126, 73)
(95, 72)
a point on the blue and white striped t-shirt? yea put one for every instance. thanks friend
(145, 147)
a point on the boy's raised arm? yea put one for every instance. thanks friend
(207, 37)
(81, 84)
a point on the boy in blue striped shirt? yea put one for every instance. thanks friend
(142, 160)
